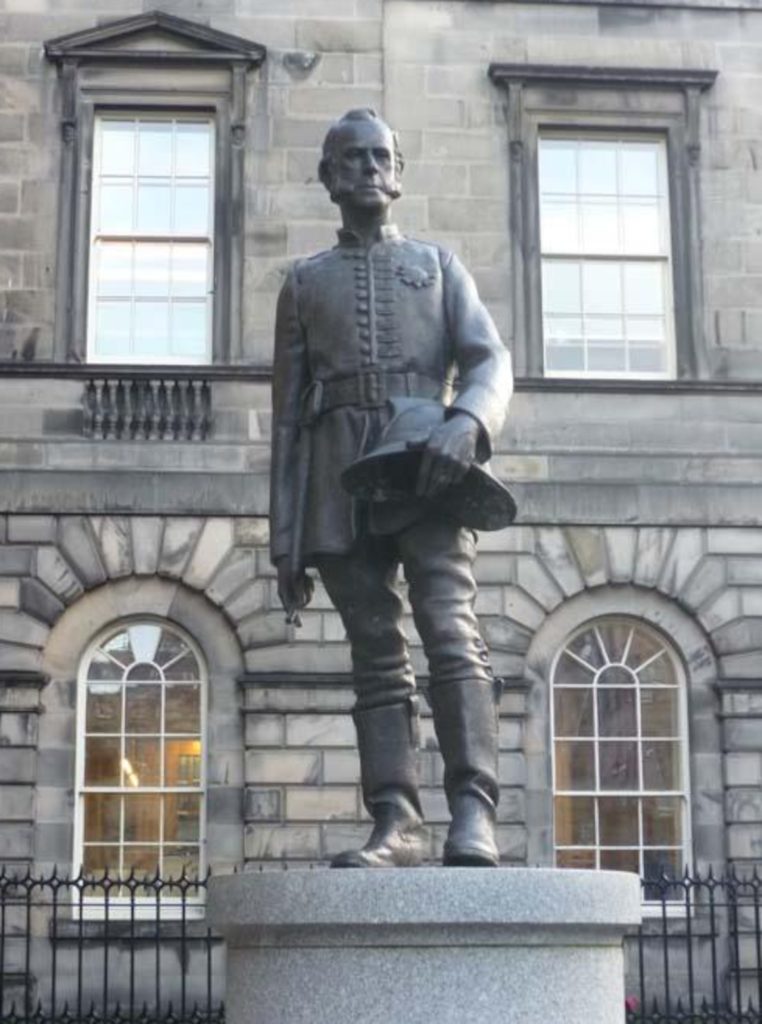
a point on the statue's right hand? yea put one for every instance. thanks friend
(295, 589)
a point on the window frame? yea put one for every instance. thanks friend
(101, 116)
(664, 260)
(641, 792)
(621, 101)
(153, 63)
(94, 907)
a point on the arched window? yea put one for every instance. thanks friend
(620, 775)
(141, 753)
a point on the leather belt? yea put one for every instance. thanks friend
(368, 389)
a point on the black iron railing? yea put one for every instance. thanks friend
(697, 958)
(102, 950)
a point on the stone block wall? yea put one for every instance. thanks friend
(323, 58)
(282, 763)
(303, 801)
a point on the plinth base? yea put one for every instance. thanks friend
(425, 946)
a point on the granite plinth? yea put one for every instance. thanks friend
(416, 946)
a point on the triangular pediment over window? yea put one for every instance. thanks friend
(155, 36)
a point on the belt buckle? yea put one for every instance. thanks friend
(372, 389)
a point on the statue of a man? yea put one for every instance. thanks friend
(379, 317)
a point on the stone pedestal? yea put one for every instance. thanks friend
(425, 945)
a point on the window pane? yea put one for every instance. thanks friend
(181, 817)
(154, 209)
(588, 649)
(639, 170)
(102, 817)
(600, 228)
(658, 672)
(642, 228)
(118, 647)
(618, 818)
(575, 820)
(143, 708)
(189, 328)
(616, 675)
(182, 709)
(104, 708)
(182, 763)
(192, 149)
(180, 858)
(561, 287)
(141, 817)
(114, 275)
(102, 761)
(143, 671)
(183, 668)
(558, 166)
(143, 860)
(144, 641)
(643, 288)
(643, 648)
(580, 859)
(573, 712)
(616, 638)
(661, 764)
(604, 328)
(141, 763)
(167, 649)
(601, 287)
(151, 270)
(96, 860)
(115, 209)
(189, 271)
(662, 862)
(616, 713)
(618, 765)
(155, 148)
(662, 821)
(565, 357)
(645, 328)
(104, 667)
(575, 765)
(606, 358)
(620, 860)
(559, 226)
(152, 329)
(645, 359)
(117, 147)
(191, 210)
(112, 328)
(597, 169)
(659, 712)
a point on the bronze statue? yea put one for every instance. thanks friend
(375, 320)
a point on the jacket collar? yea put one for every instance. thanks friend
(385, 233)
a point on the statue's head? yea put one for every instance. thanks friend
(362, 162)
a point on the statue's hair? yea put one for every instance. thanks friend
(325, 167)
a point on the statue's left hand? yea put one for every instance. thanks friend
(449, 453)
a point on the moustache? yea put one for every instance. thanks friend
(342, 191)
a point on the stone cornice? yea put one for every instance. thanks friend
(602, 77)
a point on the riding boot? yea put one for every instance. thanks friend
(387, 738)
(466, 723)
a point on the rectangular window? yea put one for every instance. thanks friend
(151, 240)
(607, 308)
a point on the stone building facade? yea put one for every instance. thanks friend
(135, 490)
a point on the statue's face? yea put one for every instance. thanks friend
(363, 168)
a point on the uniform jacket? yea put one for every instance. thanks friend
(399, 305)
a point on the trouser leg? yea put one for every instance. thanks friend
(438, 559)
(362, 586)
